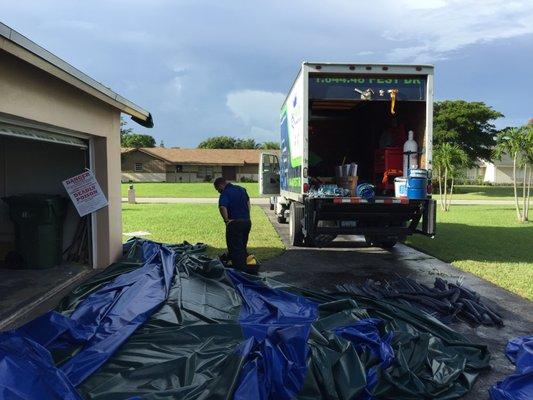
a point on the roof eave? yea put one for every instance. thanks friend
(21, 47)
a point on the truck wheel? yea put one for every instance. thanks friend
(282, 220)
(271, 207)
(296, 215)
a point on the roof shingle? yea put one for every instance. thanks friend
(204, 156)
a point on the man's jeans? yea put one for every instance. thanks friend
(237, 232)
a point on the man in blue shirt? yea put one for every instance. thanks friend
(234, 207)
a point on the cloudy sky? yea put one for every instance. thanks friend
(205, 68)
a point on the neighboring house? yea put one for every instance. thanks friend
(55, 122)
(159, 164)
(497, 171)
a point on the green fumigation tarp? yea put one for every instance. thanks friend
(190, 348)
(219, 334)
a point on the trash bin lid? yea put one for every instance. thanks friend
(33, 198)
(57, 202)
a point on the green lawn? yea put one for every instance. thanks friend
(486, 241)
(174, 223)
(182, 189)
(470, 192)
(206, 190)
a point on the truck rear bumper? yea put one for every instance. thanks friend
(356, 216)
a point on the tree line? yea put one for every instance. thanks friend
(228, 142)
(130, 139)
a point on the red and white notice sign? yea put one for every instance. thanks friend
(85, 193)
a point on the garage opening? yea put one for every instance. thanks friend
(35, 162)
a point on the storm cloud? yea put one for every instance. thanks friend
(208, 68)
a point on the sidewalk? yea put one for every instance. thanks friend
(482, 202)
(265, 201)
(195, 200)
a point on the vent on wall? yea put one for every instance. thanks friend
(43, 136)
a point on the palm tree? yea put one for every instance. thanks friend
(450, 161)
(527, 162)
(518, 144)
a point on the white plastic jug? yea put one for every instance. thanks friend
(410, 154)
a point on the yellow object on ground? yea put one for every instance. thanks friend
(251, 260)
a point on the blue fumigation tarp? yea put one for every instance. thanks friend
(27, 371)
(518, 386)
(98, 326)
(276, 325)
(365, 335)
(184, 327)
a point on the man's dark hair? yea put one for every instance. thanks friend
(219, 181)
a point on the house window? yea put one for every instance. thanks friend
(205, 172)
(138, 167)
(179, 168)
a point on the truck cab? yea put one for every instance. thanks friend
(343, 161)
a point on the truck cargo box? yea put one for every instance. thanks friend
(341, 115)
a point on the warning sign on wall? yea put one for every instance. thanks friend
(85, 193)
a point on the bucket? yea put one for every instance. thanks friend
(418, 173)
(400, 187)
(417, 184)
(416, 194)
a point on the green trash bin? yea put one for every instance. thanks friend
(38, 220)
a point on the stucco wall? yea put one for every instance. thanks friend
(248, 169)
(505, 174)
(32, 94)
(150, 164)
(144, 177)
(155, 170)
(501, 175)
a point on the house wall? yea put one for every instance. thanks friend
(500, 174)
(32, 95)
(150, 164)
(143, 177)
(505, 175)
(156, 170)
(249, 171)
(190, 173)
(476, 173)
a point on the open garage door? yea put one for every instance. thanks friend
(34, 162)
(20, 132)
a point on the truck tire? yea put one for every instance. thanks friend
(282, 220)
(271, 207)
(296, 215)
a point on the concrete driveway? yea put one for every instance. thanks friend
(347, 261)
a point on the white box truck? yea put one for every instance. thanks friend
(336, 114)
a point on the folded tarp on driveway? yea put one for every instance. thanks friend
(193, 330)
